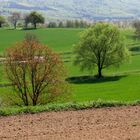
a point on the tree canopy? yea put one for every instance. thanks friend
(2, 20)
(14, 18)
(101, 46)
(35, 71)
(35, 18)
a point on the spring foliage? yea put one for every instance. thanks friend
(35, 71)
(101, 46)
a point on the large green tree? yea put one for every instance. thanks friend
(101, 46)
(36, 18)
(2, 20)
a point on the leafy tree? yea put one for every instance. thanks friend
(36, 18)
(14, 18)
(26, 19)
(35, 71)
(101, 46)
(70, 24)
(83, 24)
(2, 21)
(52, 25)
(77, 24)
(136, 25)
(61, 24)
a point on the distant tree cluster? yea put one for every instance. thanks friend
(34, 18)
(16, 19)
(69, 24)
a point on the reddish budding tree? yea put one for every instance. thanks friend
(35, 70)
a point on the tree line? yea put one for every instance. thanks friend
(32, 18)
(69, 24)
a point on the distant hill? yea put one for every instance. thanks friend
(64, 9)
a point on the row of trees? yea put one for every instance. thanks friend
(34, 18)
(69, 24)
(36, 72)
(84, 24)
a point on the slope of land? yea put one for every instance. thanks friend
(64, 9)
(96, 124)
(113, 88)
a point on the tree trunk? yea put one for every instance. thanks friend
(35, 99)
(26, 99)
(26, 104)
(34, 102)
(34, 25)
(15, 25)
(99, 72)
(26, 25)
(0, 25)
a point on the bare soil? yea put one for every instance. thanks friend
(121, 123)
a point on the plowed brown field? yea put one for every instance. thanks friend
(121, 123)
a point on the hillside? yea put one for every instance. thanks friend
(90, 9)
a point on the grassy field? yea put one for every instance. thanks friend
(58, 39)
(121, 84)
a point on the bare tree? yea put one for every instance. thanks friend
(14, 18)
(35, 71)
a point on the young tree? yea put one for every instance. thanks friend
(14, 18)
(2, 21)
(69, 23)
(83, 24)
(52, 25)
(61, 24)
(101, 46)
(76, 24)
(36, 18)
(26, 19)
(35, 71)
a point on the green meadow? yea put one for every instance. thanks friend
(122, 84)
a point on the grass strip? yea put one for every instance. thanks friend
(8, 111)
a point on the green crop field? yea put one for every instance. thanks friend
(58, 39)
(121, 84)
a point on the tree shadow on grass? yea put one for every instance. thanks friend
(93, 79)
(135, 49)
(28, 29)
